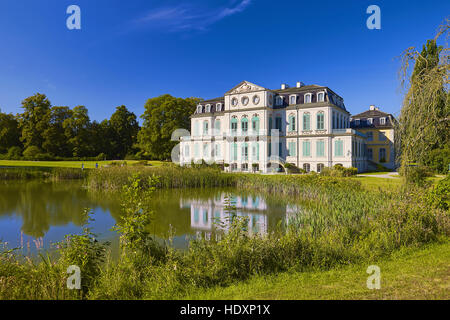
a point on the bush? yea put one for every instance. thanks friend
(415, 174)
(31, 152)
(439, 196)
(339, 171)
(439, 160)
(14, 153)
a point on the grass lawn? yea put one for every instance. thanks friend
(409, 274)
(374, 183)
(64, 164)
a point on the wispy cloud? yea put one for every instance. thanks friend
(184, 17)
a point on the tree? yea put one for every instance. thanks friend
(162, 116)
(125, 129)
(9, 132)
(34, 120)
(424, 122)
(77, 131)
(55, 141)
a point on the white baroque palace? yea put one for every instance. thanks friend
(255, 129)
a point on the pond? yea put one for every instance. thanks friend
(35, 214)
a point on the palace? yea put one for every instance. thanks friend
(255, 129)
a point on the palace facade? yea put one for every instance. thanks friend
(255, 129)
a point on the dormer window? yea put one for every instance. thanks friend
(199, 109)
(382, 121)
(357, 122)
(308, 98)
(293, 99)
(369, 121)
(279, 101)
(208, 108)
(321, 97)
(218, 107)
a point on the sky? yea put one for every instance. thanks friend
(129, 51)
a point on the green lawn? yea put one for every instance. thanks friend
(375, 183)
(65, 164)
(409, 274)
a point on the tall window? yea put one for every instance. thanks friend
(292, 150)
(206, 150)
(245, 151)
(306, 121)
(369, 136)
(234, 151)
(279, 101)
(186, 151)
(320, 121)
(217, 150)
(381, 136)
(244, 124)
(339, 148)
(370, 153)
(291, 123)
(306, 148)
(382, 155)
(196, 129)
(205, 128)
(320, 148)
(320, 167)
(278, 123)
(199, 109)
(270, 124)
(255, 151)
(255, 124)
(208, 108)
(234, 125)
(307, 167)
(217, 126)
(196, 150)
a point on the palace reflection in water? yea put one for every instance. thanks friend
(35, 214)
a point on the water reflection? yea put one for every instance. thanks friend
(35, 214)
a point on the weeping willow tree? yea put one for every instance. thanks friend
(424, 122)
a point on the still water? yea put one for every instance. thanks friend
(35, 214)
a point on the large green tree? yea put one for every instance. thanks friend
(124, 128)
(77, 131)
(9, 132)
(55, 141)
(424, 122)
(162, 116)
(34, 120)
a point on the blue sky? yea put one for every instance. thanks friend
(129, 51)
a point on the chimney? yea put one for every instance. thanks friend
(300, 84)
(284, 86)
(372, 107)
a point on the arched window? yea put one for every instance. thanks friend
(307, 167)
(244, 124)
(218, 107)
(321, 97)
(308, 98)
(292, 123)
(279, 101)
(255, 123)
(234, 125)
(199, 109)
(320, 120)
(293, 99)
(306, 121)
(208, 108)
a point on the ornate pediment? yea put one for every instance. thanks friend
(245, 87)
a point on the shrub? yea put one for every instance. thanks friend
(14, 153)
(439, 195)
(415, 174)
(439, 160)
(31, 152)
